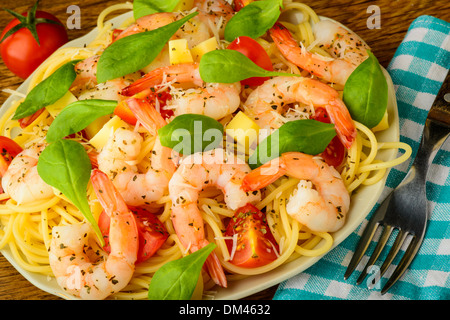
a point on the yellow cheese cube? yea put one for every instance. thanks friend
(383, 125)
(204, 47)
(184, 5)
(102, 136)
(244, 131)
(55, 109)
(92, 129)
(179, 52)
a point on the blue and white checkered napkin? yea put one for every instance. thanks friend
(418, 69)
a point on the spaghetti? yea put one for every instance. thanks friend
(26, 228)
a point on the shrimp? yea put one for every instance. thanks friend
(215, 100)
(84, 271)
(213, 15)
(322, 208)
(270, 99)
(346, 48)
(85, 85)
(118, 160)
(22, 181)
(193, 31)
(198, 171)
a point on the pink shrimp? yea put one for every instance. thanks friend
(270, 99)
(85, 85)
(347, 49)
(197, 171)
(117, 159)
(215, 100)
(83, 271)
(321, 201)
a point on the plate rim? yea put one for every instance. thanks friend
(50, 285)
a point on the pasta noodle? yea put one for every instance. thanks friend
(26, 228)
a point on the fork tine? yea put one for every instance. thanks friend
(387, 230)
(401, 237)
(409, 255)
(362, 246)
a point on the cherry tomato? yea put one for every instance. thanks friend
(152, 233)
(9, 149)
(124, 112)
(255, 52)
(20, 51)
(335, 151)
(255, 243)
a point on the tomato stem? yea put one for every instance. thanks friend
(29, 21)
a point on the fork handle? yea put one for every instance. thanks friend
(436, 131)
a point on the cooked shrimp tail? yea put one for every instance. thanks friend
(269, 100)
(321, 201)
(147, 115)
(85, 272)
(198, 171)
(183, 72)
(347, 49)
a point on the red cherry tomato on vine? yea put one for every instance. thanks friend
(335, 151)
(20, 51)
(255, 52)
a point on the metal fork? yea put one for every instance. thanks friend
(405, 209)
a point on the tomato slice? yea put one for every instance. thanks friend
(152, 233)
(335, 151)
(124, 112)
(255, 245)
(255, 52)
(9, 149)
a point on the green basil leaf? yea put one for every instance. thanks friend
(134, 52)
(65, 166)
(48, 91)
(77, 116)
(307, 136)
(366, 92)
(176, 280)
(229, 66)
(145, 7)
(191, 133)
(253, 20)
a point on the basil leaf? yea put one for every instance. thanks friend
(191, 133)
(48, 91)
(77, 116)
(65, 166)
(176, 280)
(253, 20)
(229, 66)
(134, 52)
(366, 92)
(145, 7)
(307, 136)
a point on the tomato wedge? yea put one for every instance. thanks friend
(335, 151)
(124, 112)
(9, 149)
(255, 245)
(152, 233)
(255, 52)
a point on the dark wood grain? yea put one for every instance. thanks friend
(396, 16)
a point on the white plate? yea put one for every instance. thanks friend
(362, 203)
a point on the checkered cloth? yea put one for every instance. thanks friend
(418, 69)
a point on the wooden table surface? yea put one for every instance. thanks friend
(396, 16)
